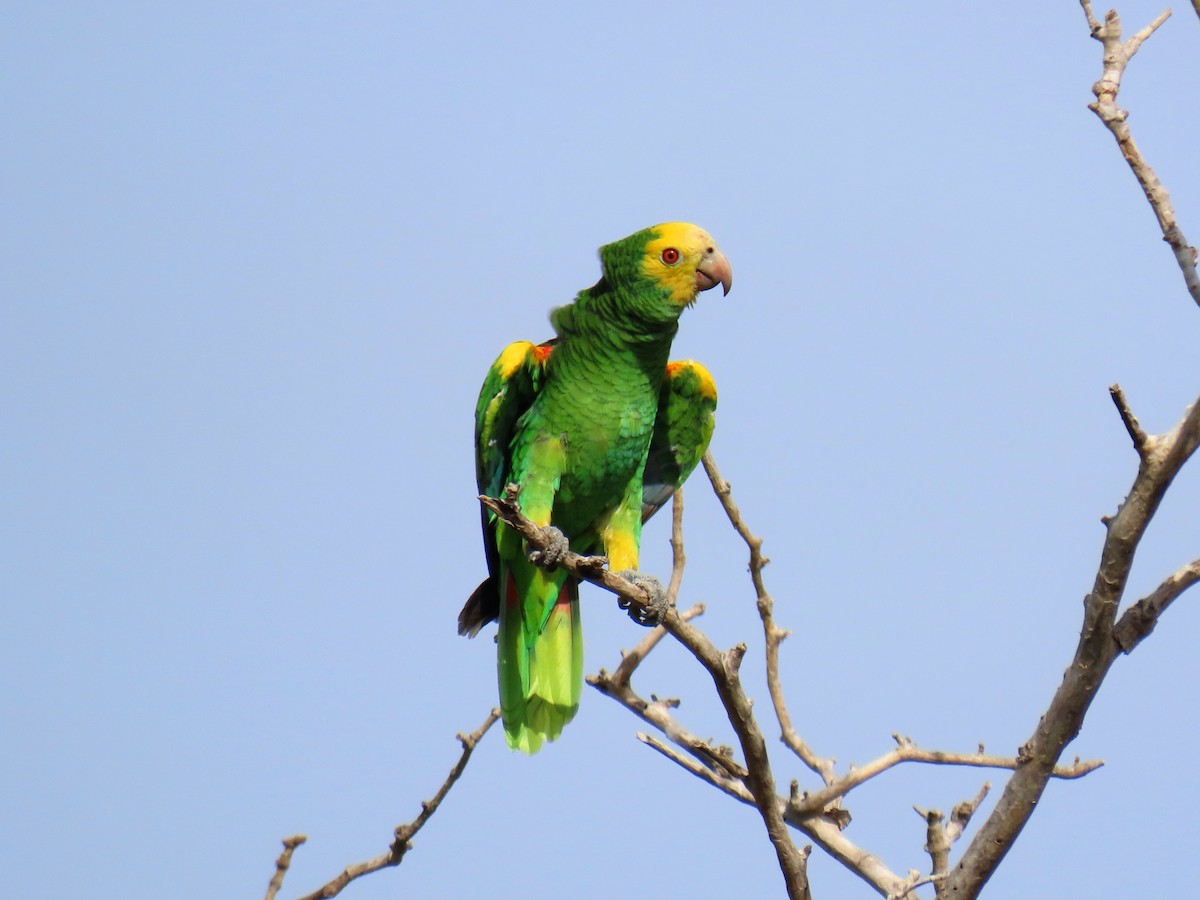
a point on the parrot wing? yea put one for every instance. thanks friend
(508, 390)
(682, 430)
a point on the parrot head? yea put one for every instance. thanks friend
(678, 258)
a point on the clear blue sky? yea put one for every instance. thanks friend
(256, 260)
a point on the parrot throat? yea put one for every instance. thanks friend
(637, 323)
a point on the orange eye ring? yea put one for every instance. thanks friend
(670, 256)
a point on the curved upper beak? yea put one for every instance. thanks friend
(714, 269)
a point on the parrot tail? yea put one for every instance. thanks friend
(540, 660)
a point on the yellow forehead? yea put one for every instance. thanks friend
(688, 239)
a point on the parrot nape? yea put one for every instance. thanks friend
(598, 430)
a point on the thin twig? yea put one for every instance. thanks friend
(961, 815)
(906, 751)
(717, 778)
(1136, 433)
(773, 635)
(631, 659)
(657, 712)
(1117, 54)
(678, 557)
(915, 883)
(404, 833)
(281, 864)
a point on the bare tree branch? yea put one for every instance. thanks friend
(937, 841)
(907, 751)
(1139, 620)
(1161, 457)
(657, 712)
(633, 658)
(772, 633)
(939, 837)
(1095, 653)
(1117, 54)
(915, 881)
(722, 668)
(961, 815)
(1136, 433)
(721, 780)
(818, 814)
(828, 835)
(810, 813)
(712, 764)
(404, 833)
(634, 597)
(678, 557)
(715, 766)
(281, 864)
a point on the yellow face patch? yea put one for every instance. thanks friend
(672, 257)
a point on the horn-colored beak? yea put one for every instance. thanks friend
(714, 269)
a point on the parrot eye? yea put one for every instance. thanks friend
(670, 256)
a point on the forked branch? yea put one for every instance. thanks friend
(1102, 638)
(722, 668)
(1100, 642)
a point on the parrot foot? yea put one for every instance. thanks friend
(555, 550)
(653, 612)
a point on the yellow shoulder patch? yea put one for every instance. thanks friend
(512, 358)
(692, 370)
(517, 354)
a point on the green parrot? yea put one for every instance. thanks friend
(598, 430)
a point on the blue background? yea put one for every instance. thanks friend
(256, 260)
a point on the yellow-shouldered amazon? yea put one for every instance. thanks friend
(598, 430)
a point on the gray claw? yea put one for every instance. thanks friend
(554, 552)
(653, 612)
